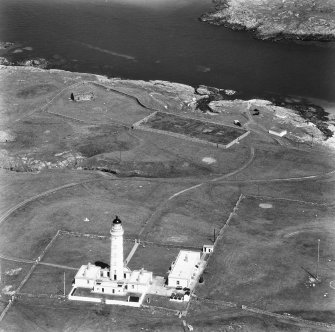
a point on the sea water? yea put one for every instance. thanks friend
(163, 39)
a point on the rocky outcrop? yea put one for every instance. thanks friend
(5, 45)
(38, 63)
(277, 19)
(6, 136)
(27, 163)
(5, 62)
(208, 95)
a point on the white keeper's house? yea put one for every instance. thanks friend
(117, 279)
(185, 269)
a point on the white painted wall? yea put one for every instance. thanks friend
(116, 262)
(84, 283)
(173, 282)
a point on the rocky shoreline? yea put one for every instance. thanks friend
(36, 62)
(276, 20)
(310, 123)
(6, 45)
(310, 112)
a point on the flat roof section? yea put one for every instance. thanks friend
(185, 264)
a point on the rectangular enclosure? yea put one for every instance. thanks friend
(193, 128)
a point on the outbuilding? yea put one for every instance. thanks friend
(277, 131)
(184, 269)
(207, 248)
(82, 96)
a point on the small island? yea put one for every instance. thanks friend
(277, 19)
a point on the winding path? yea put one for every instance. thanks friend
(33, 198)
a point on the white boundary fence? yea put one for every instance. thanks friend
(106, 301)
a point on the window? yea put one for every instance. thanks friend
(108, 274)
(88, 281)
(126, 287)
(178, 282)
(124, 276)
(114, 276)
(103, 290)
(132, 286)
(113, 291)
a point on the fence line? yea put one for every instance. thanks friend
(281, 316)
(180, 136)
(104, 237)
(285, 199)
(25, 279)
(31, 295)
(216, 241)
(139, 125)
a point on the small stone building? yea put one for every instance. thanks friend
(82, 96)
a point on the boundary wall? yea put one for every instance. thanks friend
(105, 301)
(140, 126)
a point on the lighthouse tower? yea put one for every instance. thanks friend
(116, 263)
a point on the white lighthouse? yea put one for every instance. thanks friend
(117, 279)
(116, 262)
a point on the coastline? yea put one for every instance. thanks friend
(278, 24)
(324, 107)
(309, 110)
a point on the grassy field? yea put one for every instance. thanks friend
(153, 258)
(315, 191)
(12, 273)
(25, 91)
(261, 260)
(45, 140)
(264, 254)
(175, 157)
(279, 162)
(164, 302)
(70, 251)
(49, 280)
(30, 228)
(158, 95)
(55, 315)
(194, 128)
(76, 251)
(46, 137)
(22, 185)
(106, 106)
(207, 317)
(191, 218)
